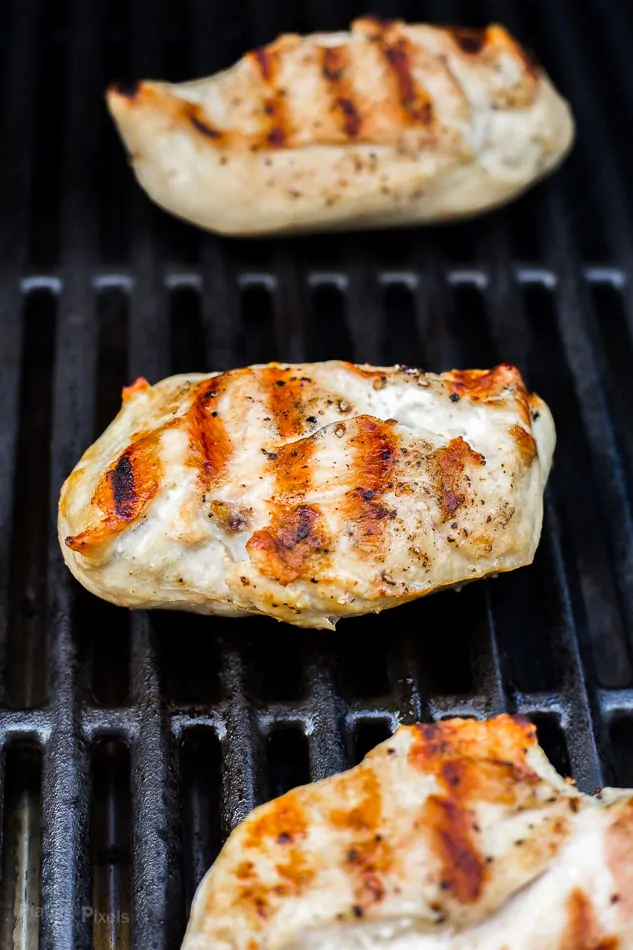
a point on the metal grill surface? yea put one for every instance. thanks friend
(132, 743)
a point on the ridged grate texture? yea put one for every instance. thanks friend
(131, 744)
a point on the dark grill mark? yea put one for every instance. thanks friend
(210, 446)
(469, 41)
(276, 137)
(295, 541)
(450, 826)
(122, 495)
(285, 399)
(415, 103)
(274, 104)
(352, 119)
(204, 128)
(333, 70)
(374, 458)
(123, 490)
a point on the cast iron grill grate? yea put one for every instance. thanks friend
(131, 744)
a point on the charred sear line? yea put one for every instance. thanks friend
(451, 827)
(374, 459)
(209, 444)
(277, 136)
(274, 108)
(122, 495)
(295, 541)
(285, 397)
(121, 479)
(352, 120)
(415, 103)
(203, 127)
(334, 63)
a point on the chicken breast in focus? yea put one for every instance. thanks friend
(453, 836)
(388, 124)
(308, 492)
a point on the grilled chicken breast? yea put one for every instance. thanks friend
(388, 124)
(453, 836)
(308, 492)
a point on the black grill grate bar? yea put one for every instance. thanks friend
(156, 874)
(219, 305)
(428, 279)
(587, 742)
(597, 143)
(66, 767)
(575, 335)
(488, 668)
(362, 312)
(574, 329)
(324, 718)
(15, 159)
(240, 738)
(290, 302)
(219, 298)
(404, 678)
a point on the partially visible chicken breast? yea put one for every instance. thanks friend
(388, 124)
(453, 836)
(308, 492)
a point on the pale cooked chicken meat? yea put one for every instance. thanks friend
(453, 836)
(308, 492)
(387, 124)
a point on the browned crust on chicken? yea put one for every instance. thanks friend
(448, 466)
(295, 539)
(291, 544)
(582, 932)
(476, 384)
(525, 444)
